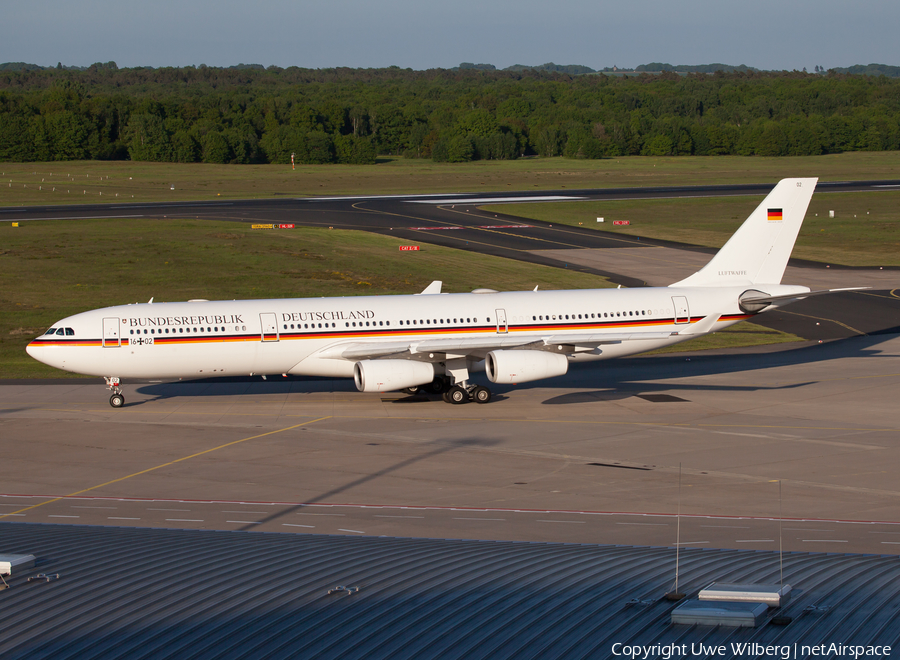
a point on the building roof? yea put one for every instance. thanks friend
(147, 593)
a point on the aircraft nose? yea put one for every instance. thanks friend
(33, 350)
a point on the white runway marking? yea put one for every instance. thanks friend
(725, 526)
(379, 516)
(497, 200)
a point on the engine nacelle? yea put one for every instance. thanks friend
(389, 375)
(512, 367)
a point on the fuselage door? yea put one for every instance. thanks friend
(269, 324)
(682, 312)
(502, 326)
(111, 338)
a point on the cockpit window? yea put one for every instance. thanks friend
(70, 332)
(51, 331)
(61, 331)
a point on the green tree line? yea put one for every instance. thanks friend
(254, 115)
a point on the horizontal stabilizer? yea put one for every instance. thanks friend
(797, 296)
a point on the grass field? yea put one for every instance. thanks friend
(82, 182)
(865, 230)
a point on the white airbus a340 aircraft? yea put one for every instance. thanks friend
(435, 340)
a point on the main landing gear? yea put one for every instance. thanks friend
(460, 394)
(456, 394)
(117, 400)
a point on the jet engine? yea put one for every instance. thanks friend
(389, 375)
(512, 367)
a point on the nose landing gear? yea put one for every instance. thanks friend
(117, 400)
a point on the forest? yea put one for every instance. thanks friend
(251, 114)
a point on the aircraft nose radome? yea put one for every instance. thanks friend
(33, 350)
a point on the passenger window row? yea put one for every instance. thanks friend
(598, 315)
(368, 324)
(442, 321)
(182, 331)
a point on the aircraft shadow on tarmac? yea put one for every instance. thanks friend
(641, 377)
(614, 380)
(438, 447)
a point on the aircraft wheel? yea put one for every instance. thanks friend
(446, 397)
(412, 390)
(437, 386)
(117, 400)
(481, 395)
(457, 395)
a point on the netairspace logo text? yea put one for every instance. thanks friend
(748, 649)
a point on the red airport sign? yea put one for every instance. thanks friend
(409, 248)
(285, 226)
(621, 222)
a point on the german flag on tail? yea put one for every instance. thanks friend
(774, 215)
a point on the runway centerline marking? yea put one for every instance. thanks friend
(157, 467)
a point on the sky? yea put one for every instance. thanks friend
(424, 34)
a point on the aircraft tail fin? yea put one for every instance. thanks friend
(759, 250)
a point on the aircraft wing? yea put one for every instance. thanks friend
(478, 347)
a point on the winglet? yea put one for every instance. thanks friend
(434, 287)
(701, 327)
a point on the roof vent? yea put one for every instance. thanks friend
(485, 291)
(15, 563)
(706, 613)
(770, 594)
